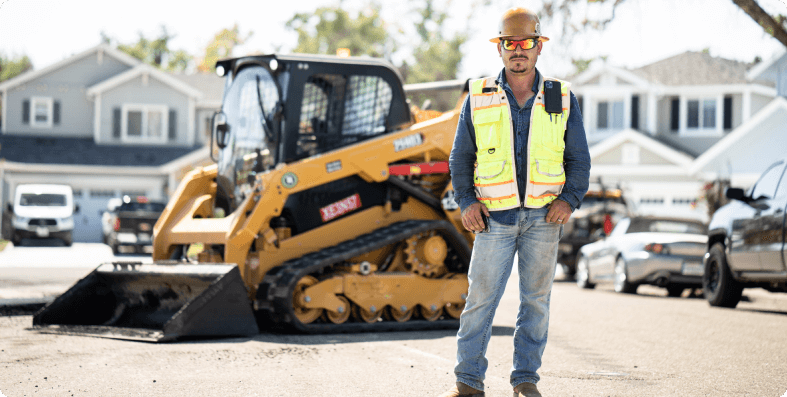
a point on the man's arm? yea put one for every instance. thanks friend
(461, 162)
(463, 158)
(576, 158)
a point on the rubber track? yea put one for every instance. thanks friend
(274, 295)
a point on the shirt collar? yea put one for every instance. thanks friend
(501, 78)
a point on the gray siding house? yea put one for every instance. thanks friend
(107, 125)
(662, 131)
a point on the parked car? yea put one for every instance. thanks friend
(666, 252)
(41, 211)
(746, 240)
(132, 224)
(601, 209)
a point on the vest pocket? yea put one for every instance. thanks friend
(489, 170)
(548, 171)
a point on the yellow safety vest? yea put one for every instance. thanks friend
(495, 176)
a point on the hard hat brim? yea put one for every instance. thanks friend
(500, 38)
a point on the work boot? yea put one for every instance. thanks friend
(462, 390)
(526, 390)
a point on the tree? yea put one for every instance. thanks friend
(331, 28)
(774, 25)
(223, 44)
(156, 52)
(11, 67)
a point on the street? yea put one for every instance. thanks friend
(600, 344)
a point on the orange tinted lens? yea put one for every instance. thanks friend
(510, 45)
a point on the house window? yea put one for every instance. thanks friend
(701, 114)
(651, 201)
(41, 110)
(144, 123)
(610, 115)
(684, 201)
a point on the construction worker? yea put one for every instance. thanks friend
(520, 167)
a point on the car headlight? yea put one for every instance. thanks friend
(67, 223)
(20, 221)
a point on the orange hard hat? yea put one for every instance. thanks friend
(519, 22)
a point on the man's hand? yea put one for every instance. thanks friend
(559, 212)
(471, 217)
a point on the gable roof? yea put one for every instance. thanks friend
(629, 135)
(31, 75)
(621, 73)
(84, 151)
(139, 70)
(694, 68)
(740, 141)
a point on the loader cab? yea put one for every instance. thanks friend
(284, 108)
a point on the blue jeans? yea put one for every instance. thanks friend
(535, 243)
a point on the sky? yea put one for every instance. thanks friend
(644, 31)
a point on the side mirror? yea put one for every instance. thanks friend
(735, 193)
(222, 130)
(76, 208)
(10, 207)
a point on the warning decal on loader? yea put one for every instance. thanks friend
(340, 207)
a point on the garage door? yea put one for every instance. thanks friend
(87, 222)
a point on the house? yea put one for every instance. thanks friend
(663, 130)
(106, 124)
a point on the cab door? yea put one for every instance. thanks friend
(772, 221)
(752, 235)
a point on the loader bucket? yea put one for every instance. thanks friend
(158, 302)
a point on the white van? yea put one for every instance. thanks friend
(42, 211)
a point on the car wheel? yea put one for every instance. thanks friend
(583, 274)
(720, 288)
(674, 291)
(622, 284)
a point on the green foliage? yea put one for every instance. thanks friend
(331, 28)
(581, 65)
(11, 67)
(437, 57)
(155, 52)
(223, 44)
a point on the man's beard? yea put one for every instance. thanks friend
(514, 69)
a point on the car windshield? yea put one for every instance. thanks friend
(643, 225)
(42, 200)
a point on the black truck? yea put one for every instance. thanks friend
(132, 225)
(746, 240)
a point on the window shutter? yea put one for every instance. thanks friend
(727, 112)
(173, 124)
(56, 112)
(116, 116)
(674, 114)
(26, 111)
(635, 112)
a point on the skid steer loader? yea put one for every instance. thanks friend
(329, 209)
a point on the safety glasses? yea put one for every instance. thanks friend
(510, 45)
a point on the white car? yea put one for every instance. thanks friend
(666, 252)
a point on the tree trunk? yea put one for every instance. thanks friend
(764, 19)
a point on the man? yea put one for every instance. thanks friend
(520, 166)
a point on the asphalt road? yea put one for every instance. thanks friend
(600, 344)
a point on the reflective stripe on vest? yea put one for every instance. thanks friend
(495, 174)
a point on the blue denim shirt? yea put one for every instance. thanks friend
(576, 157)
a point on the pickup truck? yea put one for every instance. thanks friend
(132, 224)
(746, 240)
